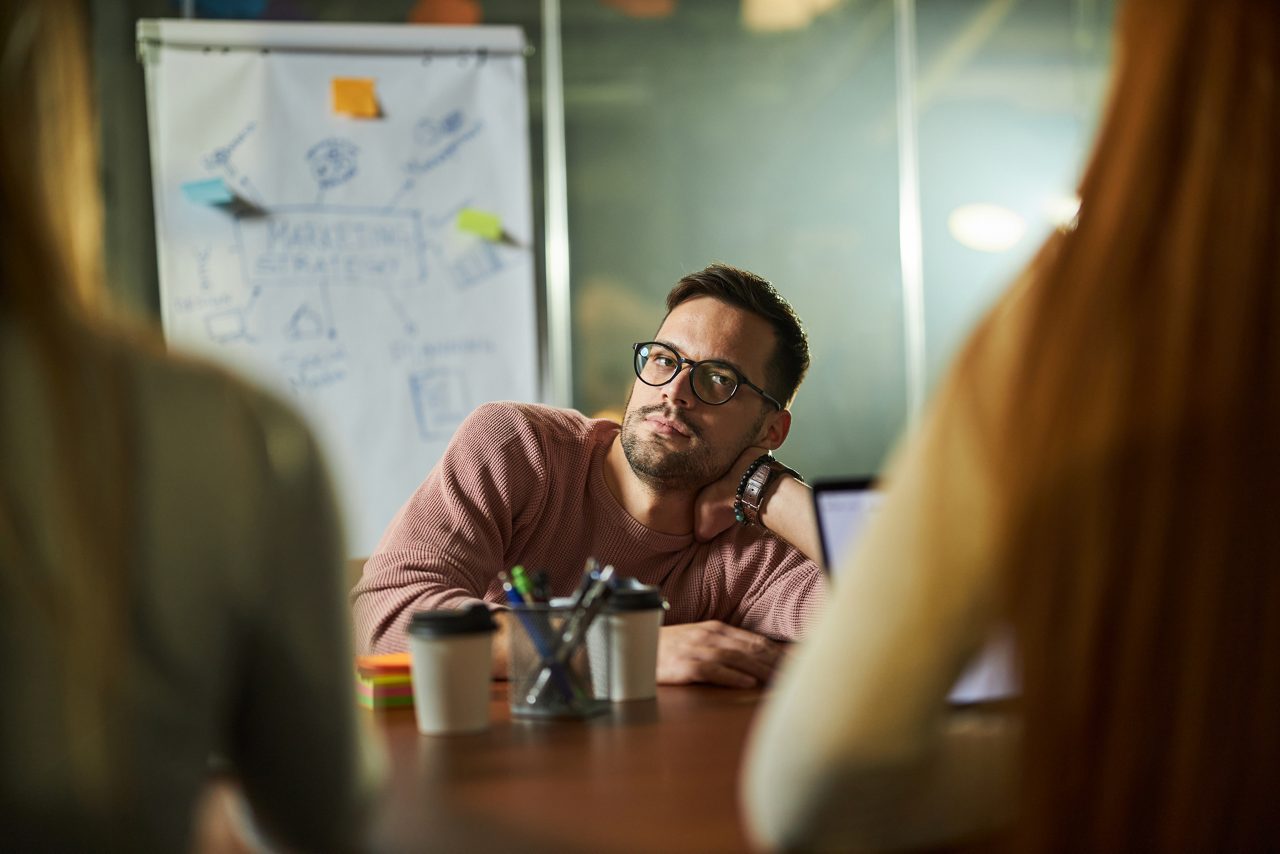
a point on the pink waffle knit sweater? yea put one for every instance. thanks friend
(524, 484)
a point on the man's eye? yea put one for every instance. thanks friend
(720, 378)
(662, 360)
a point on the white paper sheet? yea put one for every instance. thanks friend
(339, 279)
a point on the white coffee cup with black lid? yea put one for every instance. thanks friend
(623, 642)
(451, 660)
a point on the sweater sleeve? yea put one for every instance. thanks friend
(769, 587)
(447, 543)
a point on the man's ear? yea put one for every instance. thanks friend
(775, 430)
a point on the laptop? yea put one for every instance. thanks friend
(844, 508)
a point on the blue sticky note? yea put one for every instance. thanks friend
(213, 191)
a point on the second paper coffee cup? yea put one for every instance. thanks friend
(623, 643)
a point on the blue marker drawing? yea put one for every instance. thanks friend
(410, 328)
(305, 323)
(225, 325)
(468, 348)
(251, 192)
(449, 218)
(293, 259)
(220, 158)
(405, 187)
(453, 122)
(474, 266)
(202, 303)
(202, 267)
(403, 256)
(314, 371)
(429, 131)
(421, 166)
(438, 402)
(306, 244)
(332, 161)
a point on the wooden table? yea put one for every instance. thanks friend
(655, 775)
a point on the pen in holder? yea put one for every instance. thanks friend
(541, 683)
(549, 669)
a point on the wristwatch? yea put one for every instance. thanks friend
(760, 476)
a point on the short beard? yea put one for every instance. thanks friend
(661, 469)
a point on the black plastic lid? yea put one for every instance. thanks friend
(631, 595)
(452, 621)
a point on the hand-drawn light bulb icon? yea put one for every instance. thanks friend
(453, 122)
(430, 131)
(332, 161)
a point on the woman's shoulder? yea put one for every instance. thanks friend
(211, 412)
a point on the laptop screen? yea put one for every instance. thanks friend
(844, 508)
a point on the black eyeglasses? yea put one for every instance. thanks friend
(713, 382)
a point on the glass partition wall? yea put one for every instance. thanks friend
(1008, 96)
(768, 135)
(701, 135)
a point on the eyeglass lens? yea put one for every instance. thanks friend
(713, 382)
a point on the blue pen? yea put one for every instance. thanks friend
(513, 595)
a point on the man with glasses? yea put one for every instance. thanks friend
(683, 494)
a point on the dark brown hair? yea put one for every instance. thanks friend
(790, 360)
(1137, 455)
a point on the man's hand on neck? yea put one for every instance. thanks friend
(708, 512)
(788, 510)
(713, 506)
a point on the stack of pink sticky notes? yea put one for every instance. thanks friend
(383, 681)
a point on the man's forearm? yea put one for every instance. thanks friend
(788, 512)
(392, 588)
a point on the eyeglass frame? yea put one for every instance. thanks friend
(681, 361)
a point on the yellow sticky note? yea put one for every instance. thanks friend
(355, 96)
(487, 225)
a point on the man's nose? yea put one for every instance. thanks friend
(680, 390)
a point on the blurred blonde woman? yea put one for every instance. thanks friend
(1102, 471)
(170, 571)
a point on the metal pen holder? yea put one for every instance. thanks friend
(549, 670)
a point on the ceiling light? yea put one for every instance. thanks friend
(986, 227)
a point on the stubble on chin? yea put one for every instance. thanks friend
(661, 467)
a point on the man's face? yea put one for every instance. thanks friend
(672, 440)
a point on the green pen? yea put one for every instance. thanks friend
(520, 581)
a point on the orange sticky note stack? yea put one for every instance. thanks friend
(355, 96)
(384, 681)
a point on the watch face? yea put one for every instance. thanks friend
(758, 479)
